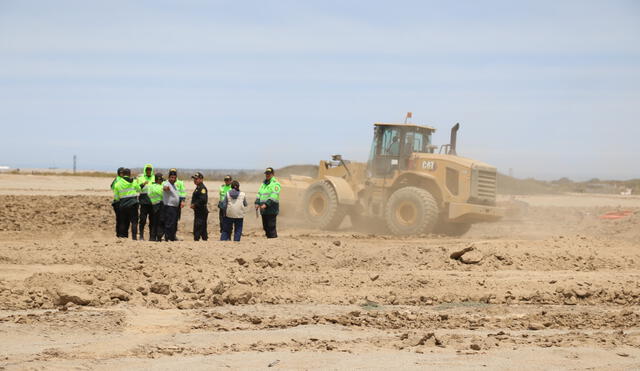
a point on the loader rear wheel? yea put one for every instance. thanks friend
(410, 211)
(321, 207)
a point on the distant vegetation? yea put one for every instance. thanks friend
(61, 173)
(209, 174)
(515, 186)
(509, 185)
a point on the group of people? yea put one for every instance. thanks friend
(150, 196)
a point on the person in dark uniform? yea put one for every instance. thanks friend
(199, 201)
(116, 204)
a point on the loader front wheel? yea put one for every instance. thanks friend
(321, 207)
(411, 211)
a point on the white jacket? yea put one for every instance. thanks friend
(236, 206)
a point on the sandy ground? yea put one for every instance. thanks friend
(554, 287)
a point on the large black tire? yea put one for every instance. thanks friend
(321, 207)
(411, 211)
(452, 229)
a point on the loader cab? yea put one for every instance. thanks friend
(393, 145)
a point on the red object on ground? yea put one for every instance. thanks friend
(616, 214)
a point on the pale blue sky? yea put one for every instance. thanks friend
(548, 88)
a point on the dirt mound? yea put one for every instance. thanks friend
(304, 170)
(552, 221)
(627, 227)
(50, 213)
(514, 186)
(298, 269)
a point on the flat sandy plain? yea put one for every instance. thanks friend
(555, 287)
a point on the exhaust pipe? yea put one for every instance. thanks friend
(454, 139)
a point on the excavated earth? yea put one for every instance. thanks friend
(554, 286)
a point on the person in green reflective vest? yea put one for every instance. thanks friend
(116, 204)
(268, 202)
(144, 181)
(126, 191)
(155, 193)
(222, 191)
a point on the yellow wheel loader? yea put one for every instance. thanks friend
(411, 185)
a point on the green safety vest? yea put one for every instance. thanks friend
(113, 185)
(182, 193)
(269, 191)
(115, 180)
(123, 189)
(155, 193)
(144, 178)
(269, 194)
(223, 191)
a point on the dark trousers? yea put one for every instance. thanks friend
(170, 222)
(156, 223)
(269, 225)
(128, 218)
(116, 211)
(200, 225)
(229, 225)
(221, 218)
(178, 218)
(145, 210)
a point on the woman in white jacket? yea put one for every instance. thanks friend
(234, 205)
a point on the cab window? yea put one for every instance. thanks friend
(390, 142)
(417, 142)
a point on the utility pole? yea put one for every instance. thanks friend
(74, 163)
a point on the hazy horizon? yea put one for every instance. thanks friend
(182, 171)
(548, 89)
